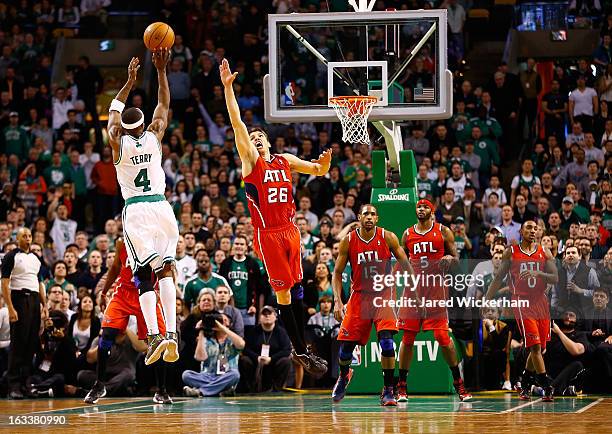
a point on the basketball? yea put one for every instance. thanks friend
(158, 35)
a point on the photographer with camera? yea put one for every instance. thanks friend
(205, 303)
(217, 349)
(54, 365)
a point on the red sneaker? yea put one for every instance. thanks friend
(460, 388)
(400, 391)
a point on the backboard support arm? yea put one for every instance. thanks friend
(363, 5)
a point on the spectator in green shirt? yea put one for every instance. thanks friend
(204, 279)
(350, 175)
(56, 174)
(425, 186)
(487, 150)
(489, 126)
(15, 140)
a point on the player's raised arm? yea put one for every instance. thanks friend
(160, 115)
(114, 269)
(337, 278)
(317, 167)
(504, 268)
(247, 151)
(118, 104)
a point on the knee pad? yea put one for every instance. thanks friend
(107, 339)
(386, 344)
(409, 337)
(442, 337)
(346, 352)
(297, 291)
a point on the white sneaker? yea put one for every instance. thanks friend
(507, 385)
(191, 391)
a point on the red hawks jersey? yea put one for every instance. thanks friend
(368, 258)
(125, 280)
(425, 249)
(532, 288)
(269, 192)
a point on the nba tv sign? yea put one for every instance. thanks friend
(394, 194)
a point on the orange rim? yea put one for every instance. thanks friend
(342, 101)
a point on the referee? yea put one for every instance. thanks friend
(24, 294)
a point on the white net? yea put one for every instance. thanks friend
(353, 112)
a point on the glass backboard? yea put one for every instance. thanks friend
(316, 56)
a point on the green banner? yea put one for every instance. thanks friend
(429, 372)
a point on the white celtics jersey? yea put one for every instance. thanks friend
(139, 168)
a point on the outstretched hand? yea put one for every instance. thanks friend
(133, 68)
(227, 77)
(161, 58)
(324, 161)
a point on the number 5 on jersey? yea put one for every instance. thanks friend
(142, 180)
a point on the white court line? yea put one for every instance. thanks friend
(95, 413)
(592, 404)
(518, 407)
(152, 404)
(55, 410)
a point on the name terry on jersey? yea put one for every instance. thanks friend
(140, 159)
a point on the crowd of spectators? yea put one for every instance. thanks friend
(58, 179)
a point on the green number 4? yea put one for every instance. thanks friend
(142, 180)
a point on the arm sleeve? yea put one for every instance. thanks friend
(8, 262)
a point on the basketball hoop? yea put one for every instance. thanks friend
(353, 112)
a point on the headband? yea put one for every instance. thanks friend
(426, 203)
(136, 124)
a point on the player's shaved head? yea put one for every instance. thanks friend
(133, 116)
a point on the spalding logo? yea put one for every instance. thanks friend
(392, 195)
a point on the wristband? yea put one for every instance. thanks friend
(117, 106)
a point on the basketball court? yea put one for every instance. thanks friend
(313, 412)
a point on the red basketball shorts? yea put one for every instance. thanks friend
(414, 318)
(125, 303)
(534, 330)
(361, 313)
(280, 251)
